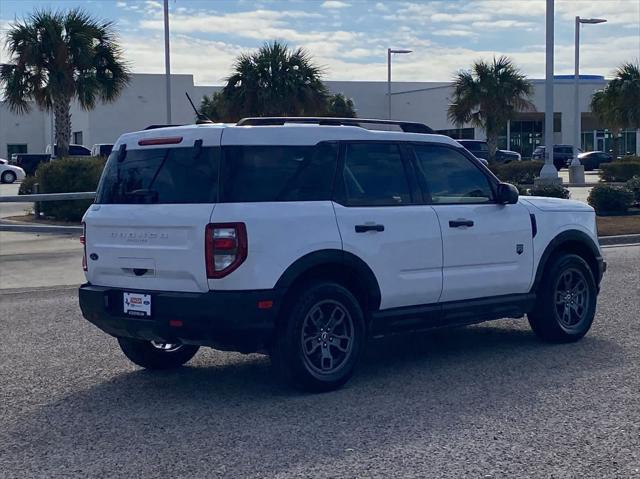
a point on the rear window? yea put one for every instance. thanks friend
(278, 173)
(161, 175)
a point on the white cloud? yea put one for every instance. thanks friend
(334, 4)
(504, 24)
(451, 32)
(381, 7)
(121, 4)
(153, 4)
(459, 17)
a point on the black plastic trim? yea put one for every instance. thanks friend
(556, 243)
(534, 225)
(330, 257)
(453, 313)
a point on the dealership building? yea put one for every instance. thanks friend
(142, 104)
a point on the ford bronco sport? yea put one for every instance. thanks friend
(301, 237)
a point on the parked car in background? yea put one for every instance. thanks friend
(10, 173)
(480, 149)
(74, 150)
(591, 160)
(29, 162)
(101, 149)
(562, 155)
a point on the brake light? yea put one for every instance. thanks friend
(225, 248)
(171, 140)
(83, 242)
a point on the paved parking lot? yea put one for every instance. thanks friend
(482, 401)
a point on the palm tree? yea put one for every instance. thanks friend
(340, 106)
(489, 95)
(618, 105)
(56, 57)
(274, 81)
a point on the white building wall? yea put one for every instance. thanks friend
(142, 104)
(21, 129)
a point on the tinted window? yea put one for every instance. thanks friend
(278, 173)
(374, 175)
(161, 175)
(476, 146)
(450, 177)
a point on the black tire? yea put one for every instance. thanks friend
(146, 355)
(8, 177)
(327, 319)
(566, 302)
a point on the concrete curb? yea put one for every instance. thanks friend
(619, 239)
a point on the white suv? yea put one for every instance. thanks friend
(302, 237)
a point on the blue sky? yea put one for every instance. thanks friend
(350, 37)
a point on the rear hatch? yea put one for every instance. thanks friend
(146, 229)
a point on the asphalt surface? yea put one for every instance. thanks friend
(482, 401)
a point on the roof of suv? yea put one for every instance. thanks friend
(287, 134)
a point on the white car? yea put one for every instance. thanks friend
(302, 240)
(10, 173)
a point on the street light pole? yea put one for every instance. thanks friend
(549, 174)
(167, 60)
(576, 170)
(389, 52)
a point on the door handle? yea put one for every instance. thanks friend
(460, 223)
(365, 228)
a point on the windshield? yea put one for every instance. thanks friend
(161, 175)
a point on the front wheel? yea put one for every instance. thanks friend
(566, 302)
(321, 338)
(8, 177)
(155, 355)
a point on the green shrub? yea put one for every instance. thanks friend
(620, 171)
(551, 191)
(608, 198)
(633, 185)
(522, 190)
(627, 158)
(68, 175)
(517, 172)
(26, 186)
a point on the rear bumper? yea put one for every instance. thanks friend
(229, 320)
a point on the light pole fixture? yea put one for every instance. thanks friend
(167, 60)
(389, 52)
(578, 172)
(548, 174)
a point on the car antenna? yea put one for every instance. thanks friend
(202, 119)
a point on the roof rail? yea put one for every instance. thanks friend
(405, 126)
(154, 127)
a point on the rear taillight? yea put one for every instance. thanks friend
(225, 248)
(83, 241)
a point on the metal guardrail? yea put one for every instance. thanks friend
(36, 199)
(86, 195)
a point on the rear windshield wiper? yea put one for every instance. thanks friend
(143, 195)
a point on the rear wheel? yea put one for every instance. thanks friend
(319, 344)
(156, 355)
(8, 177)
(566, 302)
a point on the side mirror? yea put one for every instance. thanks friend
(507, 194)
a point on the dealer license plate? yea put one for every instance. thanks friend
(136, 304)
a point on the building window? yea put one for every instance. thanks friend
(77, 138)
(458, 133)
(15, 148)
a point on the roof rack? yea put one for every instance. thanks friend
(405, 126)
(154, 127)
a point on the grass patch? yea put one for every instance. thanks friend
(618, 225)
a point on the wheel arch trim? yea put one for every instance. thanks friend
(555, 245)
(330, 257)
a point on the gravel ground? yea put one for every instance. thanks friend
(484, 401)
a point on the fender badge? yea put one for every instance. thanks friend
(519, 248)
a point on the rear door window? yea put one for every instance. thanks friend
(278, 173)
(161, 175)
(374, 175)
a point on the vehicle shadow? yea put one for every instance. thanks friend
(228, 411)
